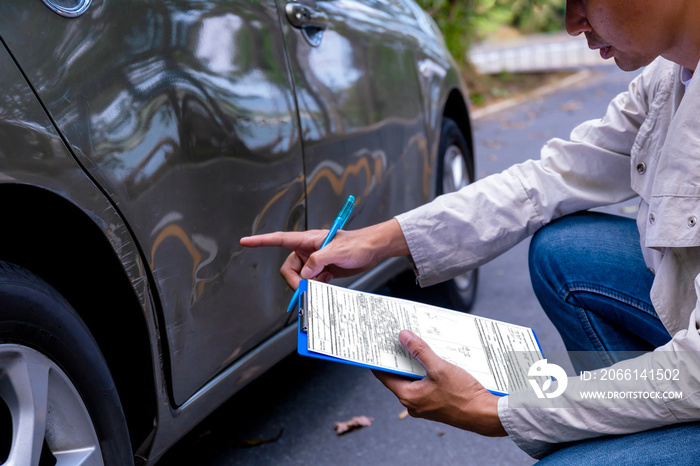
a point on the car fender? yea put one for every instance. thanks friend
(38, 171)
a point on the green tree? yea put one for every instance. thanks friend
(464, 21)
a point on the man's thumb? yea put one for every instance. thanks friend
(312, 267)
(419, 349)
(307, 272)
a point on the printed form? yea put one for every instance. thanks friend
(363, 328)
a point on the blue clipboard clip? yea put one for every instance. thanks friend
(303, 325)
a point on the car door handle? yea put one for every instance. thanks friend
(303, 16)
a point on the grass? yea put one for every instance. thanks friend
(488, 89)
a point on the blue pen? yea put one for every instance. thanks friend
(338, 224)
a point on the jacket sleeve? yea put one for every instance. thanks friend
(462, 230)
(654, 390)
(472, 226)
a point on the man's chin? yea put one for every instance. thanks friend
(631, 65)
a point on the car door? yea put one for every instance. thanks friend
(357, 89)
(183, 113)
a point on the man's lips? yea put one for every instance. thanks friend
(595, 42)
(605, 50)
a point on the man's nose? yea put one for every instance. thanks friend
(576, 21)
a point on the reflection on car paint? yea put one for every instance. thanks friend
(172, 107)
(368, 167)
(194, 247)
(183, 126)
(259, 217)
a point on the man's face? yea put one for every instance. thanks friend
(633, 32)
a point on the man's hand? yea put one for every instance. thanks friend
(350, 252)
(446, 394)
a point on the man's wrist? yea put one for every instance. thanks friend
(492, 425)
(388, 239)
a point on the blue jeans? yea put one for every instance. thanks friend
(589, 275)
(676, 445)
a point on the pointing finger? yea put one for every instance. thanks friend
(286, 239)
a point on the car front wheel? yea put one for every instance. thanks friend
(59, 402)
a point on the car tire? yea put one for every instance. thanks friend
(58, 397)
(455, 170)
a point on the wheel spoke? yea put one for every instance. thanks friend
(25, 388)
(455, 175)
(77, 457)
(46, 410)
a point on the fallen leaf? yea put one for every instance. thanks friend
(403, 414)
(493, 144)
(570, 106)
(440, 433)
(354, 423)
(259, 441)
(508, 124)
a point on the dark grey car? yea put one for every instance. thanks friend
(139, 140)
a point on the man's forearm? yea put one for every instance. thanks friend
(387, 239)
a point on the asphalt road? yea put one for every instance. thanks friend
(287, 416)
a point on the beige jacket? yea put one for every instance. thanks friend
(647, 144)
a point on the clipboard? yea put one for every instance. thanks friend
(303, 340)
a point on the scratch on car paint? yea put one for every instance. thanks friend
(275, 198)
(120, 239)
